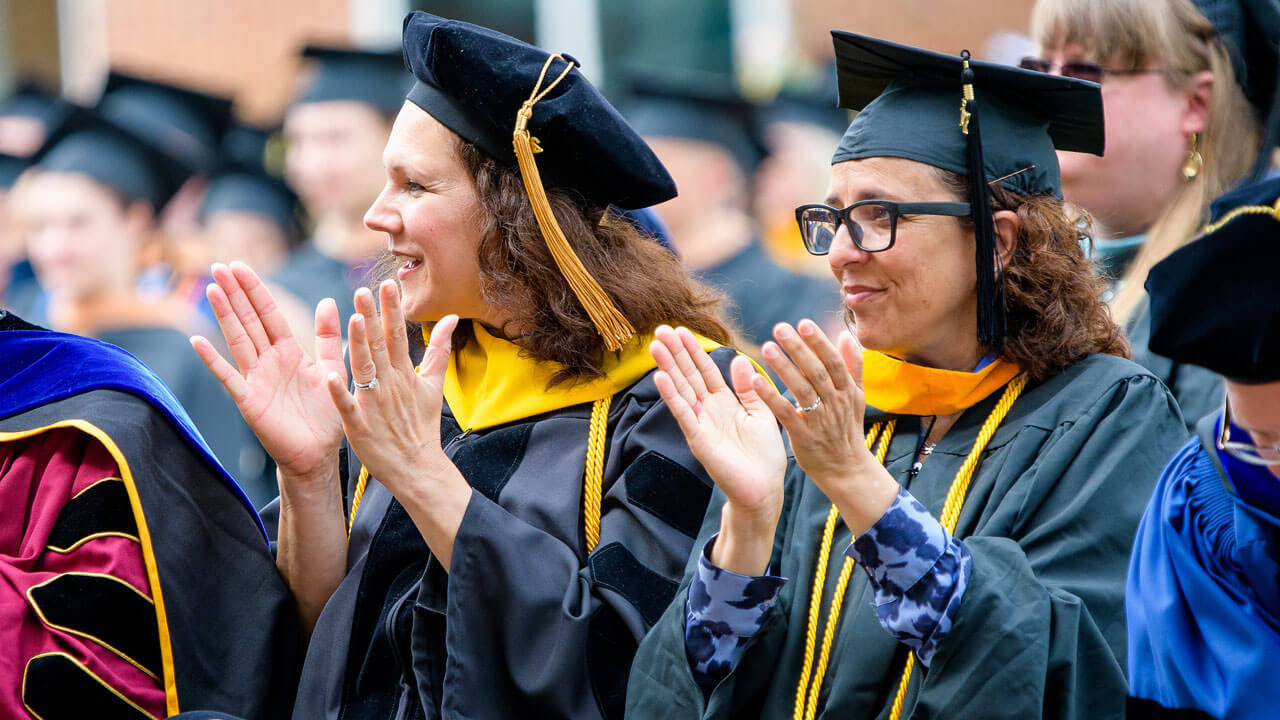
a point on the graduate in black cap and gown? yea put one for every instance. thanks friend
(89, 206)
(499, 529)
(334, 133)
(188, 126)
(951, 534)
(1203, 601)
(705, 133)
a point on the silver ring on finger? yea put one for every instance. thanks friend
(810, 408)
(371, 385)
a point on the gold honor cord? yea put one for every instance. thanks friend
(610, 323)
(950, 516)
(807, 709)
(593, 476)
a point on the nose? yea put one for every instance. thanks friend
(843, 250)
(382, 215)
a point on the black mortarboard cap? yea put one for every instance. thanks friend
(182, 122)
(697, 106)
(375, 77)
(910, 104)
(89, 144)
(1215, 302)
(11, 166)
(474, 81)
(240, 187)
(514, 101)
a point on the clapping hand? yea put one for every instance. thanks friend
(735, 437)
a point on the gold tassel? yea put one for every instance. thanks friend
(610, 323)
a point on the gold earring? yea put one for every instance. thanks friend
(1195, 162)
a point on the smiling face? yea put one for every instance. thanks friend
(431, 214)
(918, 299)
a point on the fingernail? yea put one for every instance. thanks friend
(806, 327)
(783, 331)
(770, 350)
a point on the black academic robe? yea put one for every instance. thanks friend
(1049, 520)
(218, 630)
(527, 623)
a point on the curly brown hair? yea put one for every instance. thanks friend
(1056, 315)
(645, 281)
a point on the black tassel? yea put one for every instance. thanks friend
(991, 307)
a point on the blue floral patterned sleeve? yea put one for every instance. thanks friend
(918, 572)
(725, 610)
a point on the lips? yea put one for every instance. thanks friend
(860, 294)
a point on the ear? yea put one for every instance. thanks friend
(1007, 225)
(1199, 95)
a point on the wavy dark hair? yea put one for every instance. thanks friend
(645, 281)
(1056, 313)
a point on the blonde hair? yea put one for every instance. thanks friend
(1175, 36)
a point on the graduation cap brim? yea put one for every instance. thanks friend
(866, 66)
(184, 122)
(89, 144)
(373, 77)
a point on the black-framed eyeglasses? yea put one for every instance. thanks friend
(1248, 452)
(872, 224)
(1078, 69)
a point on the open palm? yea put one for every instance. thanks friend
(730, 430)
(280, 390)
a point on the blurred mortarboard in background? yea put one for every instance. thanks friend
(11, 166)
(513, 100)
(254, 146)
(374, 77)
(31, 99)
(185, 123)
(238, 187)
(1215, 302)
(89, 144)
(695, 106)
(910, 104)
(817, 104)
(1250, 29)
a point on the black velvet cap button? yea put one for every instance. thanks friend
(87, 143)
(473, 80)
(374, 77)
(909, 103)
(1215, 302)
(185, 123)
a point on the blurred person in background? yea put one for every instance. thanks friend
(799, 129)
(706, 135)
(334, 134)
(18, 286)
(187, 125)
(26, 116)
(1203, 603)
(1183, 95)
(88, 208)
